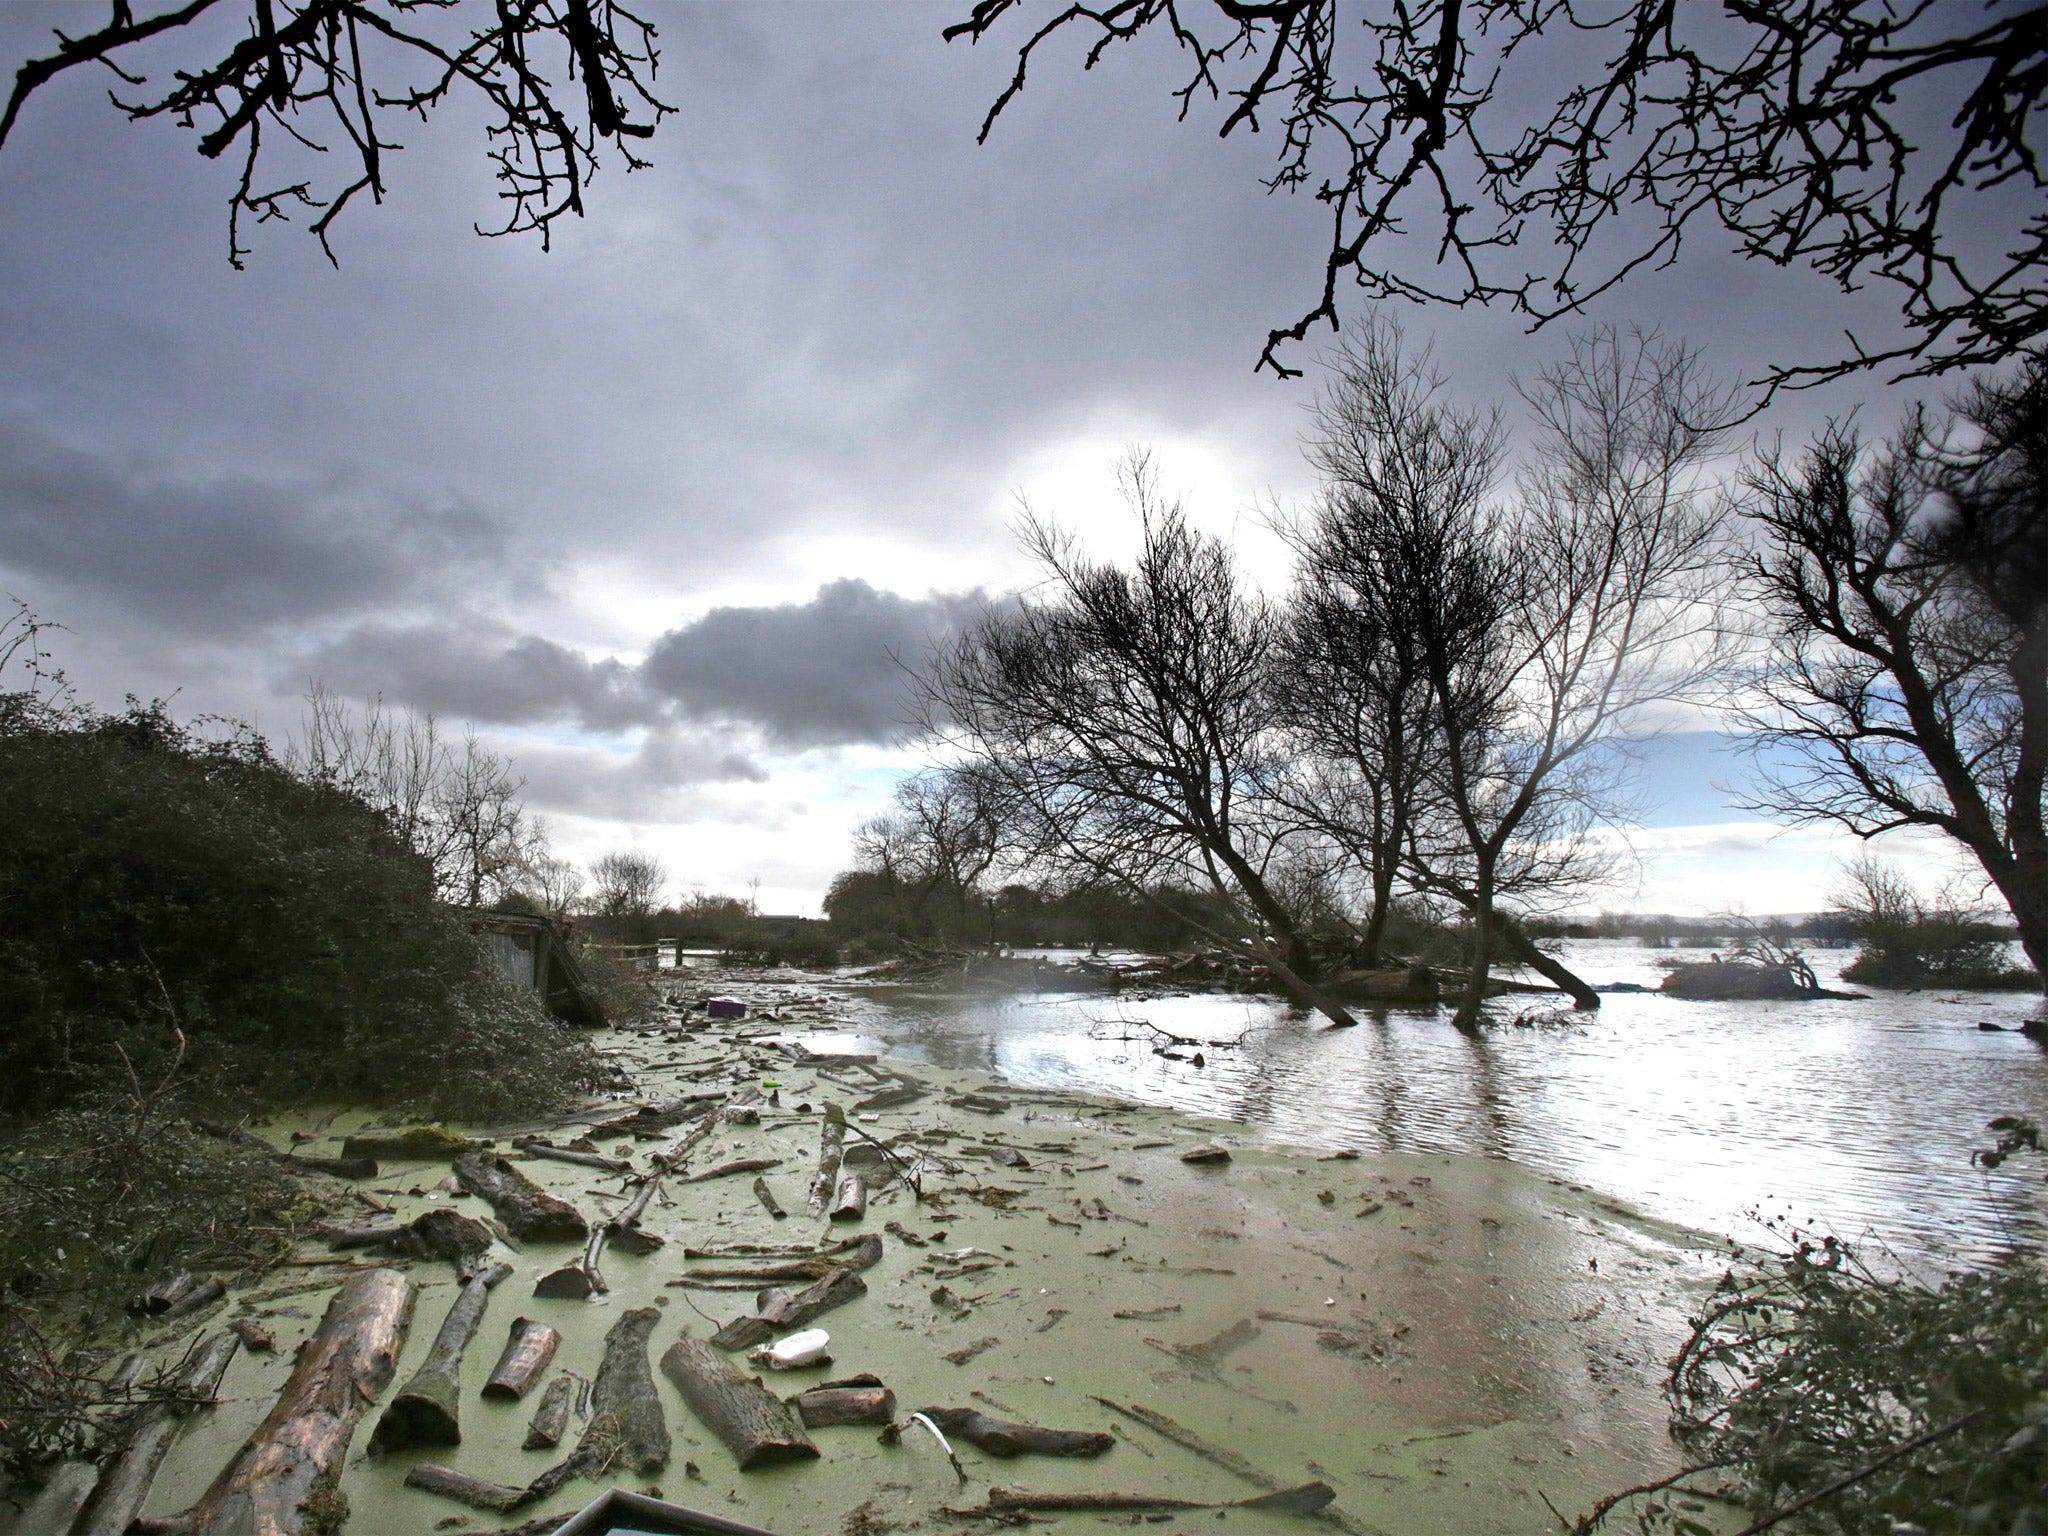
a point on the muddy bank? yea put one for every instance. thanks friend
(1444, 1340)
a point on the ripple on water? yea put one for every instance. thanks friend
(1856, 1115)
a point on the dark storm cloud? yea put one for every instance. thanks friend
(484, 672)
(827, 672)
(821, 673)
(225, 553)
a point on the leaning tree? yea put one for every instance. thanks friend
(1904, 589)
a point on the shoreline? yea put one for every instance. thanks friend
(1447, 1340)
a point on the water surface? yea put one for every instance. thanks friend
(1856, 1115)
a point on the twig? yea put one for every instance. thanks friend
(958, 1470)
(1805, 1501)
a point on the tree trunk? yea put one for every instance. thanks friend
(528, 1349)
(831, 1140)
(857, 1400)
(125, 1484)
(428, 1409)
(529, 1212)
(626, 1421)
(757, 1427)
(849, 1196)
(780, 1311)
(582, 1277)
(999, 1437)
(1474, 1000)
(552, 1416)
(1551, 969)
(295, 1454)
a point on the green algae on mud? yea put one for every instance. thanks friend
(1448, 1341)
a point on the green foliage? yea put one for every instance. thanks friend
(1909, 941)
(1807, 1368)
(154, 881)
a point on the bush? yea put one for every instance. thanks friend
(1906, 941)
(153, 881)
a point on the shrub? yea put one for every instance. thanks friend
(153, 881)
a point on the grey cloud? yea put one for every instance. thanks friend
(227, 553)
(484, 672)
(822, 673)
(671, 777)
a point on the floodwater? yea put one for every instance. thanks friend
(1858, 1117)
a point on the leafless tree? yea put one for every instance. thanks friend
(1876, 142)
(1124, 717)
(1395, 456)
(626, 883)
(1905, 590)
(1565, 624)
(460, 809)
(940, 839)
(555, 883)
(552, 80)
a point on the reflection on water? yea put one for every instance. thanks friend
(1860, 1115)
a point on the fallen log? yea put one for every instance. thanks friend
(829, 1246)
(1305, 1500)
(124, 1486)
(999, 1437)
(738, 1165)
(890, 1098)
(779, 1311)
(856, 1400)
(57, 1503)
(428, 1409)
(334, 1167)
(476, 1492)
(656, 1119)
(756, 1426)
(438, 1234)
(831, 1143)
(580, 1277)
(296, 1453)
(164, 1294)
(202, 1295)
(849, 1196)
(552, 1416)
(534, 1146)
(626, 1421)
(766, 1196)
(528, 1349)
(413, 1144)
(529, 1212)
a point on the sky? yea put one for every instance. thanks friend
(664, 512)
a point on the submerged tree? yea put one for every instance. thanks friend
(1124, 718)
(1536, 153)
(552, 79)
(1904, 590)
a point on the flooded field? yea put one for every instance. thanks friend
(1858, 1115)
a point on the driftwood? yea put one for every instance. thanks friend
(581, 1277)
(856, 1400)
(202, 1295)
(428, 1409)
(779, 1311)
(890, 1098)
(757, 1427)
(819, 1250)
(125, 1484)
(552, 1416)
(335, 1167)
(528, 1349)
(849, 1196)
(438, 1234)
(766, 1196)
(529, 1212)
(1305, 1500)
(831, 1141)
(414, 1144)
(56, 1504)
(534, 1146)
(164, 1294)
(999, 1437)
(298, 1449)
(476, 1492)
(656, 1119)
(738, 1165)
(626, 1422)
